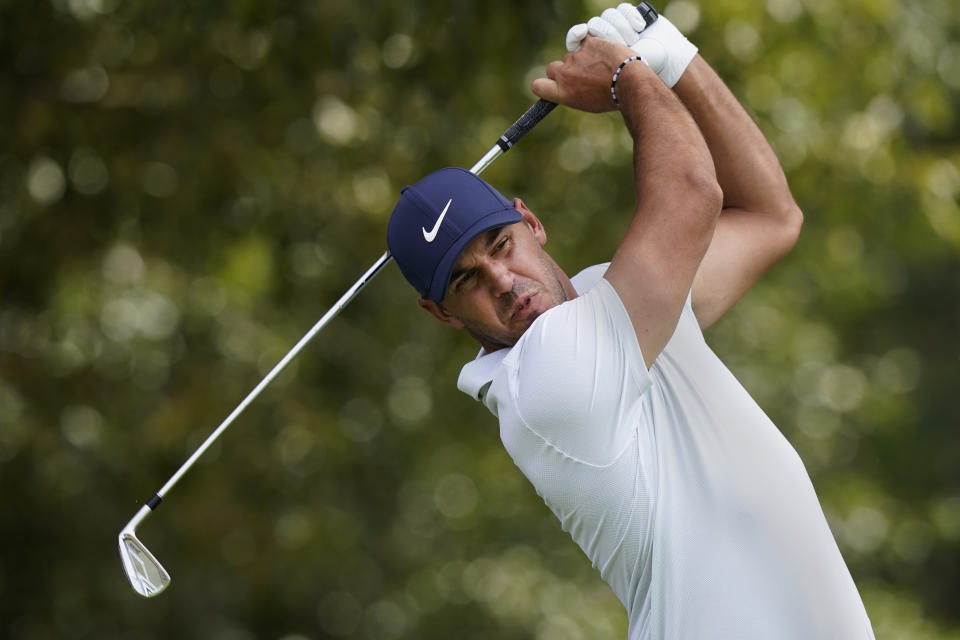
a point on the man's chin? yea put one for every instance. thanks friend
(521, 325)
(531, 318)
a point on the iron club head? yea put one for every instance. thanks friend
(147, 576)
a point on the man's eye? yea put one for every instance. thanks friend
(462, 280)
(500, 245)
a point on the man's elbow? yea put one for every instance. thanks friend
(790, 223)
(793, 223)
(705, 194)
(704, 202)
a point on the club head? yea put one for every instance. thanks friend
(147, 576)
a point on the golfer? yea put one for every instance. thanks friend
(681, 491)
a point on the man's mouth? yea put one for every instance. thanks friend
(522, 306)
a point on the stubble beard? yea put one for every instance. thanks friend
(493, 339)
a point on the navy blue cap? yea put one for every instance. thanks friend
(435, 219)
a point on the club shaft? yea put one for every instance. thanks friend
(344, 300)
(525, 123)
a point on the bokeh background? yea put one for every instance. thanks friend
(186, 187)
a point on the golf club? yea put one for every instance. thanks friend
(147, 576)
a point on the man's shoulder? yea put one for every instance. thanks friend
(575, 379)
(587, 278)
(550, 338)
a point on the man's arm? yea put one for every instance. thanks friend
(760, 221)
(677, 191)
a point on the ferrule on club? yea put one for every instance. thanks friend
(494, 153)
(137, 519)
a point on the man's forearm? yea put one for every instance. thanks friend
(760, 221)
(747, 168)
(677, 152)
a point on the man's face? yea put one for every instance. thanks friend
(502, 281)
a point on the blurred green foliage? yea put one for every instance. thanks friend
(186, 188)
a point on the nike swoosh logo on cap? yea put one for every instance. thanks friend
(429, 236)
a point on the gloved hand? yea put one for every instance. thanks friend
(660, 45)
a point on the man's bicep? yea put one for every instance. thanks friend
(744, 246)
(653, 287)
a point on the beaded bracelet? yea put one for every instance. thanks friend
(616, 74)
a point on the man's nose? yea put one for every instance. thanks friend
(501, 279)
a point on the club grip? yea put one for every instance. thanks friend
(542, 107)
(649, 14)
(524, 123)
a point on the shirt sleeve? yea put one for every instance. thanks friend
(578, 377)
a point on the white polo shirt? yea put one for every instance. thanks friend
(684, 495)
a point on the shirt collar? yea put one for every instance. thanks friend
(476, 375)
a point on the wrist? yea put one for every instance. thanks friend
(630, 80)
(616, 77)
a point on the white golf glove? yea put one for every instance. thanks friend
(661, 45)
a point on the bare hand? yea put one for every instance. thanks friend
(582, 79)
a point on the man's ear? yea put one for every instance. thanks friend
(438, 312)
(532, 221)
